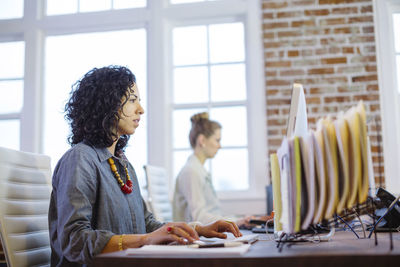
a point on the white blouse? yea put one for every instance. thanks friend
(194, 197)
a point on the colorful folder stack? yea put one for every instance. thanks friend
(319, 173)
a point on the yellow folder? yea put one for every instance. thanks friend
(276, 191)
(353, 121)
(331, 161)
(342, 137)
(297, 160)
(319, 151)
(363, 193)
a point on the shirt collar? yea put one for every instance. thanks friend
(196, 162)
(104, 154)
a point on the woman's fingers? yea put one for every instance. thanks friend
(182, 231)
(232, 227)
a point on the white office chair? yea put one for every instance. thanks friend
(157, 188)
(24, 203)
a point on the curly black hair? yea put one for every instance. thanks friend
(95, 100)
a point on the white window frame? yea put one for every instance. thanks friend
(389, 96)
(157, 18)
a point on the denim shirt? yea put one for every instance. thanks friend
(87, 206)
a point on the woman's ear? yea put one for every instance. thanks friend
(201, 140)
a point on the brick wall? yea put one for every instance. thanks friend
(329, 47)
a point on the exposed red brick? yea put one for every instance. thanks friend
(372, 87)
(332, 41)
(276, 82)
(313, 100)
(362, 39)
(307, 52)
(303, 2)
(360, 59)
(345, 10)
(321, 51)
(366, 9)
(365, 78)
(368, 29)
(350, 69)
(334, 21)
(278, 64)
(361, 19)
(369, 49)
(370, 68)
(334, 50)
(302, 23)
(275, 25)
(269, 35)
(291, 14)
(321, 71)
(347, 30)
(368, 97)
(275, 44)
(276, 122)
(272, 73)
(316, 31)
(293, 53)
(289, 34)
(334, 99)
(335, 60)
(316, 12)
(304, 42)
(347, 50)
(270, 54)
(277, 4)
(274, 142)
(268, 15)
(292, 72)
(331, 2)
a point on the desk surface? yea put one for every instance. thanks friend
(343, 250)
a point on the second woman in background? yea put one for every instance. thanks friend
(195, 198)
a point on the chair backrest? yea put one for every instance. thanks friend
(24, 203)
(158, 193)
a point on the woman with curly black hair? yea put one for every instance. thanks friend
(96, 205)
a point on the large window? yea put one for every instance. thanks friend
(188, 56)
(11, 90)
(209, 74)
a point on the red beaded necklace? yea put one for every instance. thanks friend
(126, 188)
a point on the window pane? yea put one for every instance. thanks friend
(190, 85)
(11, 9)
(12, 60)
(226, 42)
(94, 5)
(9, 134)
(396, 28)
(398, 72)
(57, 7)
(182, 126)
(62, 70)
(234, 125)
(12, 98)
(230, 170)
(180, 158)
(228, 82)
(190, 45)
(120, 4)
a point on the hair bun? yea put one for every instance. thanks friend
(199, 116)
